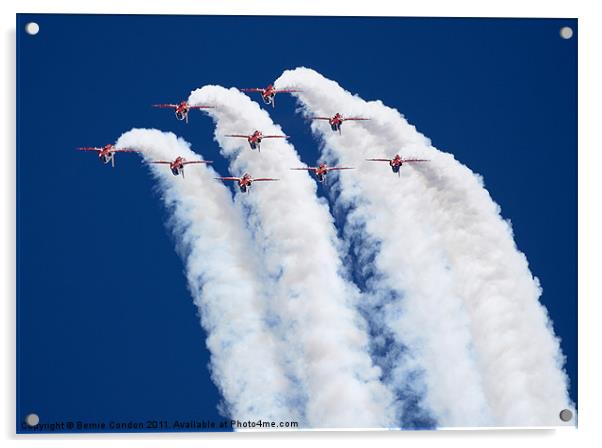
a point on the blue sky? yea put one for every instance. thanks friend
(106, 327)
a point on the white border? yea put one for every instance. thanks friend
(590, 223)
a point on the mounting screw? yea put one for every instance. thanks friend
(566, 32)
(566, 415)
(32, 28)
(32, 420)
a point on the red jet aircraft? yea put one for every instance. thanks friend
(181, 109)
(337, 119)
(322, 170)
(244, 182)
(107, 153)
(269, 93)
(255, 138)
(396, 162)
(177, 166)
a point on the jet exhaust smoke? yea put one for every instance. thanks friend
(454, 288)
(227, 290)
(324, 337)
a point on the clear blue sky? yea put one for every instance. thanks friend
(106, 327)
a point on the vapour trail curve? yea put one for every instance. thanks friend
(228, 292)
(315, 305)
(517, 357)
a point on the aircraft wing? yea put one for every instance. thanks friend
(200, 107)
(89, 149)
(163, 162)
(309, 168)
(275, 136)
(228, 178)
(414, 160)
(254, 89)
(337, 168)
(124, 150)
(355, 119)
(320, 118)
(287, 90)
(238, 135)
(379, 160)
(261, 179)
(188, 162)
(163, 106)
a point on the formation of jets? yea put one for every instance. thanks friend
(106, 154)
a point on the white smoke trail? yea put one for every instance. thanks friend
(445, 247)
(224, 284)
(428, 319)
(324, 335)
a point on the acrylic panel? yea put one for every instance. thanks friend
(228, 223)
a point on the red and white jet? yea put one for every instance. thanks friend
(107, 152)
(181, 109)
(396, 162)
(244, 182)
(337, 119)
(322, 170)
(177, 166)
(269, 93)
(255, 138)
